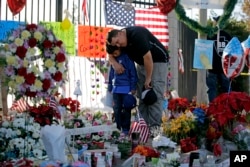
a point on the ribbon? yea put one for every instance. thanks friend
(85, 11)
(180, 61)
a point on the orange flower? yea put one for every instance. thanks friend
(146, 151)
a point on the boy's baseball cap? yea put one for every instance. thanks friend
(129, 102)
(149, 96)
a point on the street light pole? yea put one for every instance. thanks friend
(201, 73)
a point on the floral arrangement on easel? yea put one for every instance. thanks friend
(36, 62)
(36, 67)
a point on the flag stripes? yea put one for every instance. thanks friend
(155, 21)
(53, 103)
(151, 18)
(19, 105)
(140, 126)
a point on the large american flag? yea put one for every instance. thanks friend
(124, 15)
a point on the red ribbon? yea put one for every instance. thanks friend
(84, 9)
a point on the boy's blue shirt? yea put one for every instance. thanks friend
(125, 82)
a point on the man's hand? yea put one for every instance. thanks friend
(148, 65)
(119, 69)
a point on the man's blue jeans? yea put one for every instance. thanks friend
(215, 81)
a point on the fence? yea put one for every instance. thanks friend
(90, 71)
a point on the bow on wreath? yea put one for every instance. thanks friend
(166, 6)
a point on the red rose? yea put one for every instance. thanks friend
(217, 149)
(58, 76)
(60, 57)
(46, 84)
(47, 44)
(22, 71)
(31, 27)
(32, 42)
(30, 78)
(21, 52)
(59, 43)
(30, 94)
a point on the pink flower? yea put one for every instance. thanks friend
(238, 128)
(100, 133)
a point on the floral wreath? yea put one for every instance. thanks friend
(209, 30)
(36, 62)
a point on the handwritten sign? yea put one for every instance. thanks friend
(203, 54)
(6, 28)
(67, 36)
(91, 41)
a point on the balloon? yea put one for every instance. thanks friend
(246, 47)
(233, 58)
(16, 6)
(166, 6)
(66, 24)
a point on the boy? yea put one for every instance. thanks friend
(123, 88)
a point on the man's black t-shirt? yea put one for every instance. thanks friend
(217, 53)
(140, 41)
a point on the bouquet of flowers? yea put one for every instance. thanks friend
(20, 137)
(227, 107)
(178, 104)
(146, 151)
(87, 119)
(70, 105)
(44, 114)
(180, 127)
(241, 137)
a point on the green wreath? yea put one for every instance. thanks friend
(209, 30)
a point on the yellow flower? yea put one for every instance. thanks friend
(19, 79)
(25, 63)
(179, 127)
(32, 51)
(56, 50)
(35, 69)
(38, 84)
(12, 84)
(11, 60)
(25, 34)
(49, 63)
(38, 35)
(18, 42)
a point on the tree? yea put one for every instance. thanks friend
(245, 9)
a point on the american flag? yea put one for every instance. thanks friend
(53, 104)
(123, 15)
(140, 126)
(19, 105)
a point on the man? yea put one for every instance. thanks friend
(216, 80)
(151, 58)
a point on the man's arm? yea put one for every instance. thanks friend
(119, 69)
(148, 65)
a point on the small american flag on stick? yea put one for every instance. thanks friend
(53, 104)
(19, 105)
(140, 126)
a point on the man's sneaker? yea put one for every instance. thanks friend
(154, 131)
